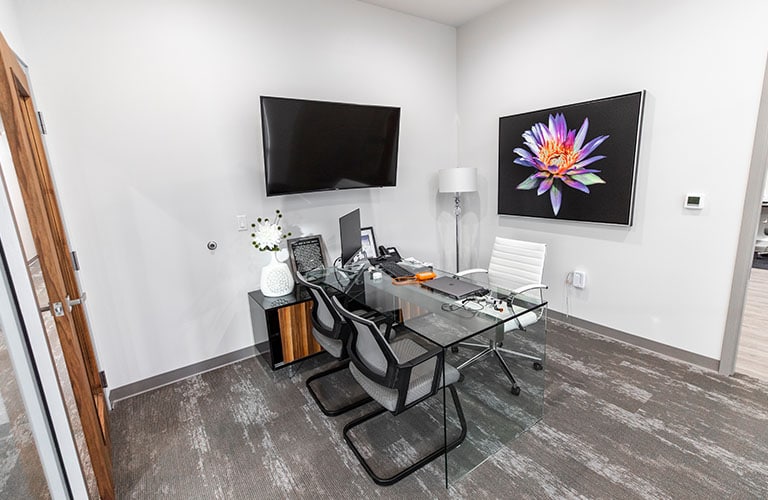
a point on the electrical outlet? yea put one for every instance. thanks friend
(579, 279)
(242, 225)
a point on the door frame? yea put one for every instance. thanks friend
(35, 370)
(42, 209)
(746, 243)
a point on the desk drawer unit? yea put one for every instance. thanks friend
(288, 325)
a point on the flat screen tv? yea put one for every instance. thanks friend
(320, 146)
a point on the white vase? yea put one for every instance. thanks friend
(276, 278)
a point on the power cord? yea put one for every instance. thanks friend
(462, 307)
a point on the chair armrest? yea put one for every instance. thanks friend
(374, 316)
(528, 288)
(471, 271)
(516, 292)
(434, 352)
(380, 319)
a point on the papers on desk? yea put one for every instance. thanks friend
(413, 262)
(413, 265)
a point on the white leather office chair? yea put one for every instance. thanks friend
(517, 266)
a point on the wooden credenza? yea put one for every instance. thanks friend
(287, 323)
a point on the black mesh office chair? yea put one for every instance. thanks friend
(331, 332)
(398, 376)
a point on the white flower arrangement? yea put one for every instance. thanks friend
(267, 234)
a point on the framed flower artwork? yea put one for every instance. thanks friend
(576, 162)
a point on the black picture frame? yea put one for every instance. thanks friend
(368, 243)
(589, 179)
(307, 253)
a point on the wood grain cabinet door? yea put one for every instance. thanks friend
(296, 331)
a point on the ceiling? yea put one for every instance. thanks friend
(450, 12)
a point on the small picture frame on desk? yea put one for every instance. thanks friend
(368, 243)
(307, 253)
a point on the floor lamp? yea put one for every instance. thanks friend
(457, 181)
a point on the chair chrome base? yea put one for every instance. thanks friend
(386, 481)
(332, 412)
(495, 348)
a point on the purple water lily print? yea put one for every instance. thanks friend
(560, 156)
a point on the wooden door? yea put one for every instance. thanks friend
(56, 262)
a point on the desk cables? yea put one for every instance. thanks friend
(474, 305)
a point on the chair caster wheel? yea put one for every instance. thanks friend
(515, 390)
(537, 366)
(454, 349)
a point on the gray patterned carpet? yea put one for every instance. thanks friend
(619, 422)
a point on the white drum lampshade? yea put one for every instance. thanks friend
(457, 180)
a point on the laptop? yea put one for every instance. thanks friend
(453, 287)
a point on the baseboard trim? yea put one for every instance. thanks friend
(136, 388)
(151, 383)
(651, 345)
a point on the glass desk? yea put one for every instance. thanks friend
(493, 414)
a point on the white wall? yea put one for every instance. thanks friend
(668, 277)
(9, 27)
(154, 139)
(9, 24)
(155, 142)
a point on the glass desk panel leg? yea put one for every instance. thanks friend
(494, 415)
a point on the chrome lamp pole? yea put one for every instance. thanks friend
(457, 181)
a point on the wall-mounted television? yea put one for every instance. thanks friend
(321, 146)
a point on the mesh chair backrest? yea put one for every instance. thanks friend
(322, 311)
(324, 316)
(370, 352)
(516, 263)
(368, 349)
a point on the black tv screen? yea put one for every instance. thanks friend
(319, 146)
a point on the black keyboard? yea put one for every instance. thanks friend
(393, 269)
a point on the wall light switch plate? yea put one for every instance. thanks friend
(242, 225)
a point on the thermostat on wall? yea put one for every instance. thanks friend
(694, 201)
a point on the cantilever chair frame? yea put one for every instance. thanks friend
(494, 345)
(398, 377)
(340, 332)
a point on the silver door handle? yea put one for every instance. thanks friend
(58, 307)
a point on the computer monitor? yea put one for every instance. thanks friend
(349, 230)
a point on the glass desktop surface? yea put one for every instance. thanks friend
(432, 315)
(494, 416)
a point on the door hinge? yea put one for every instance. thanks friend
(43, 130)
(75, 262)
(103, 379)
